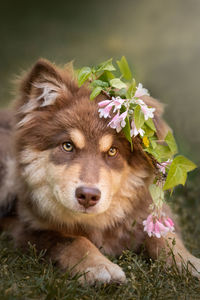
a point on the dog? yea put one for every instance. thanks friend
(71, 185)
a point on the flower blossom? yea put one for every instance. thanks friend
(118, 122)
(141, 91)
(147, 111)
(162, 166)
(107, 105)
(105, 112)
(117, 103)
(158, 227)
(104, 103)
(135, 131)
(145, 141)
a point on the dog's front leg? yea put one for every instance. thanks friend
(77, 254)
(174, 248)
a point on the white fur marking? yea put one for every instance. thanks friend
(29, 106)
(105, 272)
(50, 93)
(25, 120)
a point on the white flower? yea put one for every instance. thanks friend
(141, 91)
(147, 111)
(135, 131)
(140, 102)
(117, 103)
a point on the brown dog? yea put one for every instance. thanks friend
(74, 181)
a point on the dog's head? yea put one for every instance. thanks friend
(71, 161)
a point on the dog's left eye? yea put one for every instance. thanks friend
(68, 147)
(112, 151)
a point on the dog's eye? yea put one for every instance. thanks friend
(68, 147)
(112, 151)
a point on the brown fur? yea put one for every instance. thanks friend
(45, 177)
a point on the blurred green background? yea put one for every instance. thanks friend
(161, 40)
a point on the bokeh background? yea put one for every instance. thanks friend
(161, 40)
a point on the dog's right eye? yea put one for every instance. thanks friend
(112, 151)
(68, 147)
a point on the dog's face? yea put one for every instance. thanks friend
(70, 159)
(85, 169)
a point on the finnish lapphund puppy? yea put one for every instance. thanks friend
(70, 184)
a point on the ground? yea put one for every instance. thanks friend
(30, 276)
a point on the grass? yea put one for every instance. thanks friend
(30, 276)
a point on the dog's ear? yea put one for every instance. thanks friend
(42, 86)
(161, 126)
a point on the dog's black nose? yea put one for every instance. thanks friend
(87, 196)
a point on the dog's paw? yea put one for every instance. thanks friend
(106, 272)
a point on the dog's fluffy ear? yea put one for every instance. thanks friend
(161, 126)
(41, 87)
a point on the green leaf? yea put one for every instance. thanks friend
(96, 91)
(117, 83)
(178, 172)
(150, 124)
(161, 152)
(138, 117)
(184, 163)
(100, 83)
(176, 175)
(169, 139)
(157, 194)
(83, 75)
(153, 143)
(131, 90)
(147, 130)
(124, 68)
(106, 66)
(127, 132)
(106, 76)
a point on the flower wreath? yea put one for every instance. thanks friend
(135, 118)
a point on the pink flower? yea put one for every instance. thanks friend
(117, 103)
(149, 225)
(135, 131)
(158, 227)
(105, 112)
(104, 103)
(169, 223)
(147, 111)
(107, 105)
(141, 91)
(118, 122)
(162, 166)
